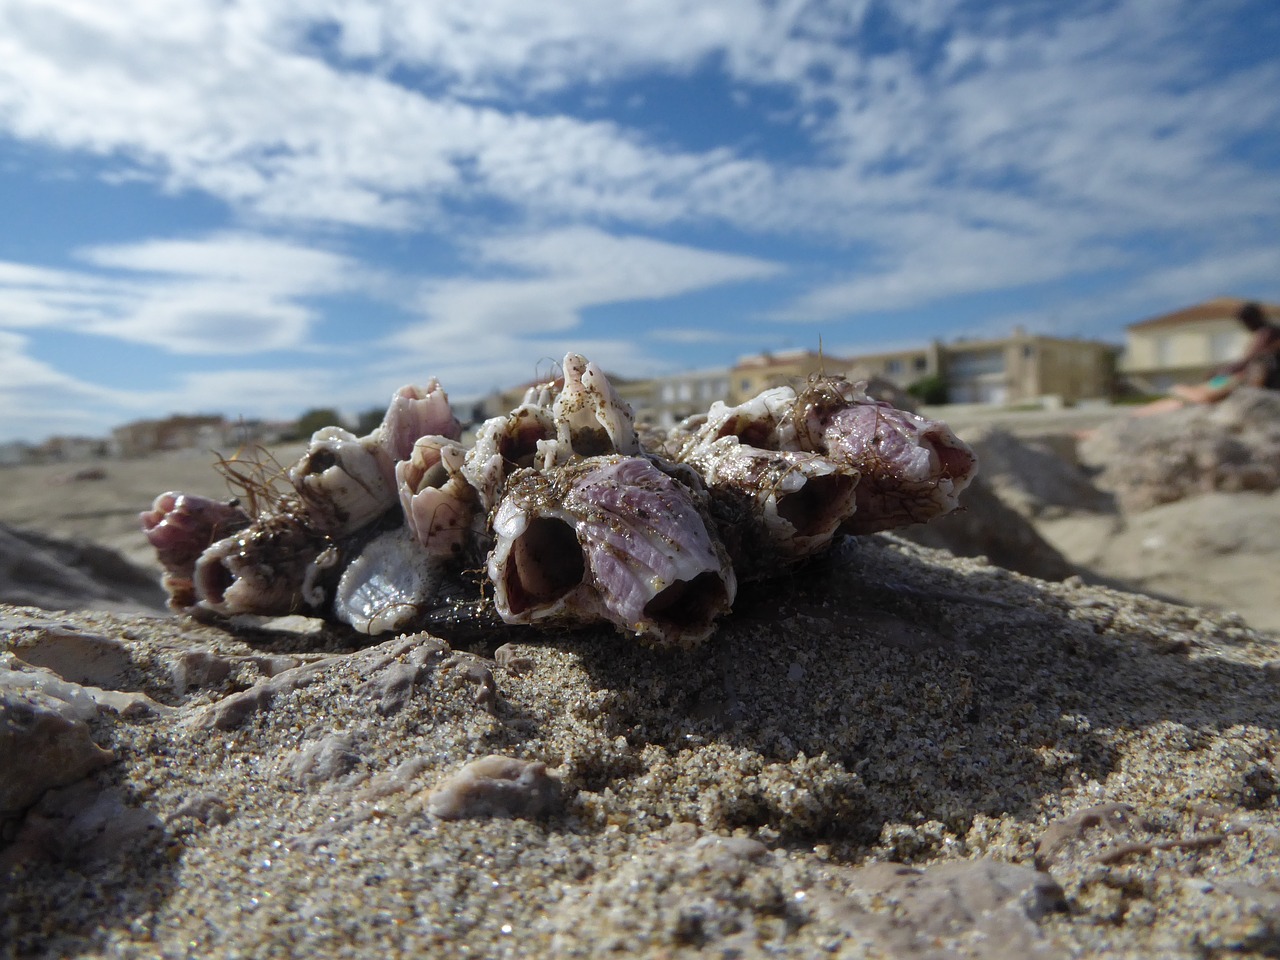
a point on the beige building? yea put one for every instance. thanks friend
(902, 368)
(1017, 369)
(751, 375)
(672, 398)
(1185, 346)
(1028, 367)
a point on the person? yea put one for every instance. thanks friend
(1260, 364)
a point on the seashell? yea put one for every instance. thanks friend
(504, 444)
(758, 422)
(264, 569)
(341, 483)
(610, 538)
(590, 418)
(390, 583)
(416, 412)
(580, 522)
(776, 503)
(180, 527)
(913, 469)
(439, 505)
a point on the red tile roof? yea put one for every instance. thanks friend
(1220, 308)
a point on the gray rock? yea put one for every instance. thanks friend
(324, 760)
(496, 786)
(43, 571)
(985, 526)
(972, 908)
(1232, 445)
(1039, 478)
(44, 743)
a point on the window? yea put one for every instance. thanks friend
(1223, 346)
(1164, 351)
(973, 363)
(920, 364)
(893, 366)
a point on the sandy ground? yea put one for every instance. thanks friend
(49, 499)
(890, 752)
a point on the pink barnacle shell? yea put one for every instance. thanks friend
(416, 412)
(610, 538)
(913, 469)
(438, 503)
(181, 525)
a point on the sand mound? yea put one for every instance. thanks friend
(43, 571)
(893, 752)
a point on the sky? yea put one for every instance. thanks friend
(258, 207)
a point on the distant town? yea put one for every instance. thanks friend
(1022, 370)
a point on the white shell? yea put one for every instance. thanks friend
(387, 585)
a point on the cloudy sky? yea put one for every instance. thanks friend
(254, 207)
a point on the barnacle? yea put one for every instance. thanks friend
(571, 517)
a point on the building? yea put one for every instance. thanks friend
(179, 432)
(754, 374)
(902, 368)
(1021, 368)
(1026, 367)
(670, 399)
(1185, 346)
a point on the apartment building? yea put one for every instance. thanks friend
(902, 368)
(1014, 369)
(672, 398)
(1025, 367)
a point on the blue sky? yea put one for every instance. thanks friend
(254, 207)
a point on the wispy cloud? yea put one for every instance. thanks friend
(224, 294)
(560, 273)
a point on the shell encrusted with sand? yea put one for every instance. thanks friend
(560, 506)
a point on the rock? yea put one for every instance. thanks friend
(1229, 446)
(229, 712)
(83, 658)
(327, 759)
(82, 825)
(967, 908)
(57, 574)
(985, 526)
(496, 786)
(44, 743)
(1040, 478)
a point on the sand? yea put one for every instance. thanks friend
(890, 753)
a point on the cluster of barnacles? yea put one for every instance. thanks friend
(568, 514)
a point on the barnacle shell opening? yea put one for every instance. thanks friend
(609, 538)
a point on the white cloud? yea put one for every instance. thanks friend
(224, 294)
(561, 273)
(956, 148)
